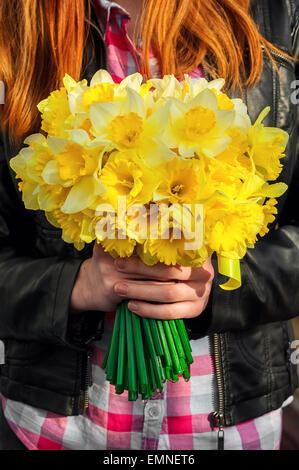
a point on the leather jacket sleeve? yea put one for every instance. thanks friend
(34, 291)
(270, 271)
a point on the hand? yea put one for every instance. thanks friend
(103, 282)
(94, 286)
(183, 292)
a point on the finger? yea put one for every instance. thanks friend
(159, 271)
(187, 309)
(166, 292)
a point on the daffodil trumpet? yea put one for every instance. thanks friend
(172, 172)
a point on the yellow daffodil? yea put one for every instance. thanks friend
(199, 126)
(267, 146)
(54, 112)
(122, 248)
(235, 153)
(29, 166)
(75, 92)
(51, 197)
(193, 87)
(102, 92)
(242, 119)
(31, 160)
(172, 245)
(255, 188)
(126, 175)
(181, 181)
(171, 252)
(76, 228)
(126, 125)
(166, 87)
(112, 237)
(75, 166)
(175, 171)
(270, 212)
(222, 178)
(230, 227)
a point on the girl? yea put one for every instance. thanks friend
(54, 300)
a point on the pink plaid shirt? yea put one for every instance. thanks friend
(177, 419)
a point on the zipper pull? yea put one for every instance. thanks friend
(88, 379)
(219, 420)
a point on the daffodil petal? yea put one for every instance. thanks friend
(206, 99)
(69, 82)
(34, 138)
(56, 144)
(45, 200)
(101, 114)
(101, 76)
(82, 195)
(132, 81)
(50, 174)
(273, 190)
(134, 102)
(79, 136)
(30, 195)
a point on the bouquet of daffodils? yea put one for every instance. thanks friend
(170, 172)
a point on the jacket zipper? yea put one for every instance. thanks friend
(280, 58)
(86, 383)
(219, 415)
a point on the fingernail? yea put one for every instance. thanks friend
(120, 263)
(121, 289)
(133, 307)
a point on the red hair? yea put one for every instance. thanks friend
(41, 40)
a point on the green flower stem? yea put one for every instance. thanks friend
(175, 358)
(186, 374)
(132, 396)
(176, 339)
(150, 373)
(119, 389)
(142, 375)
(126, 376)
(168, 373)
(162, 370)
(166, 356)
(144, 353)
(156, 337)
(132, 379)
(183, 363)
(151, 347)
(174, 378)
(185, 340)
(121, 348)
(145, 396)
(113, 354)
(104, 363)
(183, 332)
(154, 386)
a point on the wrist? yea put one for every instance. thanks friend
(80, 298)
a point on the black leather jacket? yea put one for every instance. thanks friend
(47, 350)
